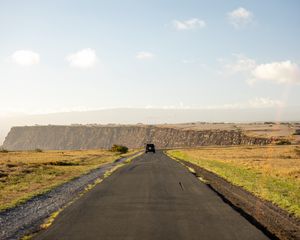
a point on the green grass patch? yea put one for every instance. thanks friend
(282, 191)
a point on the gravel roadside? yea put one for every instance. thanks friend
(27, 217)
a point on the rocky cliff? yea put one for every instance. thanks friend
(134, 136)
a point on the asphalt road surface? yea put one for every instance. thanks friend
(152, 198)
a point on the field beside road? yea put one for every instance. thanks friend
(28, 173)
(270, 172)
(153, 197)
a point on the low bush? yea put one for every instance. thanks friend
(283, 142)
(63, 163)
(38, 150)
(297, 132)
(3, 174)
(119, 148)
(2, 150)
(297, 150)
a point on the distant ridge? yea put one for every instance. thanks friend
(151, 116)
(103, 137)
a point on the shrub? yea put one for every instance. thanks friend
(63, 163)
(297, 132)
(2, 150)
(3, 174)
(38, 150)
(269, 123)
(297, 150)
(283, 142)
(119, 148)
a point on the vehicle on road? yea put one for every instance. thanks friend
(150, 148)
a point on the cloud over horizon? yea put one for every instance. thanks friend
(260, 102)
(240, 17)
(25, 58)
(96, 55)
(193, 23)
(83, 59)
(279, 72)
(144, 55)
(253, 103)
(283, 72)
(240, 64)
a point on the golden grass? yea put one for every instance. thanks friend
(283, 161)
(270, 172)
(27, 173)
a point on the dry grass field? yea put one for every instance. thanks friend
(270, 172)
(28, 173)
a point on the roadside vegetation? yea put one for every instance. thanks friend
(2, 150)
(119, 148)
(25, 174)
(270, 172)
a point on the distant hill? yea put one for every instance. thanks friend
(103, 137)
(151, 116)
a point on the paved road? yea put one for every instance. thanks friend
(152, 198)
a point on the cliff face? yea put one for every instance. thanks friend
(91, 137)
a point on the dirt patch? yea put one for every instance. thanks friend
(275, 222)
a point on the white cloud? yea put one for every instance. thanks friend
(240, 17)
(179, 106)
(84, 59)
(264, 102)
(144, 55)
(25, 58)
(279, 72)
(258, 102)
(189, 24)
(239, 65)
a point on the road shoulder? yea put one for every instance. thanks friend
(272, 220)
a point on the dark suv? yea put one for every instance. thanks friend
(150, 148)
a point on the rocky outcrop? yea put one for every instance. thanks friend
(134, 136)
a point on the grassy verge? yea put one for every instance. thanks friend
(26, 174)
(271, 173)
(48, 222)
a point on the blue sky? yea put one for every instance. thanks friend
(80, 55)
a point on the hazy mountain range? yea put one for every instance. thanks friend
(150, 116)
